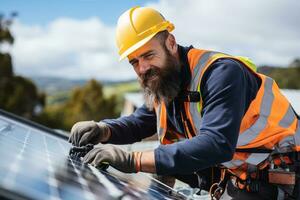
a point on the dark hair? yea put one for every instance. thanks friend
(162, 36)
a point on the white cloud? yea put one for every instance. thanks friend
(68, 48)
(266, 31)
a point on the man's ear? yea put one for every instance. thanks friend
(171, 44)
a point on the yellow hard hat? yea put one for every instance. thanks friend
(137, 26)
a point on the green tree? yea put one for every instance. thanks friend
(5, 37)
(85, 103)
(20, 96)
(17, 94)
(286, 77)
(89, 103)
(5, 34)
(6, 69)
(52, 116)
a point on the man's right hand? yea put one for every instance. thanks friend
(86, 132)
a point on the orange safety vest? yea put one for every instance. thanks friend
(269, 123)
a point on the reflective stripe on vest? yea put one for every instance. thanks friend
(162, 126)
(254, 159)
(160, 130)
(195, 86)
(291, 140)
(251, 133)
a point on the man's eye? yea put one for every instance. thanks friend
(149, 56)
(134, 63)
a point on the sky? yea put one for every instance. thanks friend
(75, 39)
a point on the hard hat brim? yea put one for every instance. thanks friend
(136, 46)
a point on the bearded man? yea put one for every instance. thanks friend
(209, 110)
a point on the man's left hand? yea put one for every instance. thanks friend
(114, 156)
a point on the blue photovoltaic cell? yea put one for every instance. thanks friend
(35, 164)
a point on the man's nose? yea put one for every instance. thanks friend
(143, 67)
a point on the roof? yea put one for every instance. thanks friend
(35, 164)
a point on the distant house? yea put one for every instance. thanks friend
(132, 102)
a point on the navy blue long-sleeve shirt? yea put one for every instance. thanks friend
(227, 88)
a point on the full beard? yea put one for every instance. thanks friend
(161, 84)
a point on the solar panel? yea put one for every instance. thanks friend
(35, 164)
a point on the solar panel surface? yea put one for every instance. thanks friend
(35, 164)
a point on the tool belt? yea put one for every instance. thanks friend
(283, 170)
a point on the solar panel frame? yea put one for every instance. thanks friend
(33, 124)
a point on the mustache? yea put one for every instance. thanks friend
(150, 74)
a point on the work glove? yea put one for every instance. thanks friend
(115, 157)
(89, 132)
